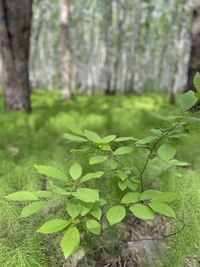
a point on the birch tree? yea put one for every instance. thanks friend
(179, 64)
(65, 49)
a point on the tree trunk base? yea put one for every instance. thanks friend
(172, 99)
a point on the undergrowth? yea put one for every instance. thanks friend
(28, 140)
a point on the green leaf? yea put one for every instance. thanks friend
(102, 202)
(105, 147)
(91, 176)
(142, 212)
(175, 162)
(70, 241)
(197, 94)
(166, 151)
(165, 197)
(157, 132)
(146, 140)
(112, 164)
(86, 207)
(93, 227)
(79, 150)
(122, 185)
(97, 159)
(108, 139)
(92, 136)
(73, 208)
(122, 175)
(53, 226)
(53, 172)
(132, 185)
(60, 191)
(75, 171)
(123, 150)
(196, 81)
(22, 196)
(149, 194)
(115, 214)
(163, 209)
(75, 130)
(131, 198)
(124, 139)
(87, 195)
(32, 208)
(74, 138)
(96, 212)
(43, 194)
(188, 100)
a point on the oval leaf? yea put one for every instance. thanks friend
(91, 176)
(163, 209)
(166, 151)
(43, 194)
(131, 198)
(188, 100)
(74, 138)
(22, 196)
(53, 172)
(53, 226)
(115, 214)
(97, 159)
(75, 171)
(70, 241)
(32, 208)
(87, 195)
(73, 208)
(96, 212)
(142, 212)
(123, 150)
(86, 207)
(93, 227)
(108, 139)
(196, 81)
(92, 136)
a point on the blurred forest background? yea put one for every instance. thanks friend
(111, 66)
(113, 45)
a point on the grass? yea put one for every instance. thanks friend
(38, 138)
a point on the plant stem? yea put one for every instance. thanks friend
(151, 152)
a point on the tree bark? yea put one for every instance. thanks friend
(15, 29)
(65, 49)
(108, 73)
(194, 64)
(121, 18)
(180, 53)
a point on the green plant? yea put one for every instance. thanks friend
(129, 164)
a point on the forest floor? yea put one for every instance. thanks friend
(26, 140)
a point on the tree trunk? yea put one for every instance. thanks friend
(176, 84)
(15, 28)
(194, 64)
(108, 73)
(65, 49)
(121, 17)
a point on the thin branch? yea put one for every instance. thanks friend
(151, 152)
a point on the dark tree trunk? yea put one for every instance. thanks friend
(65, 49)
(15, 28)
(194, 64)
